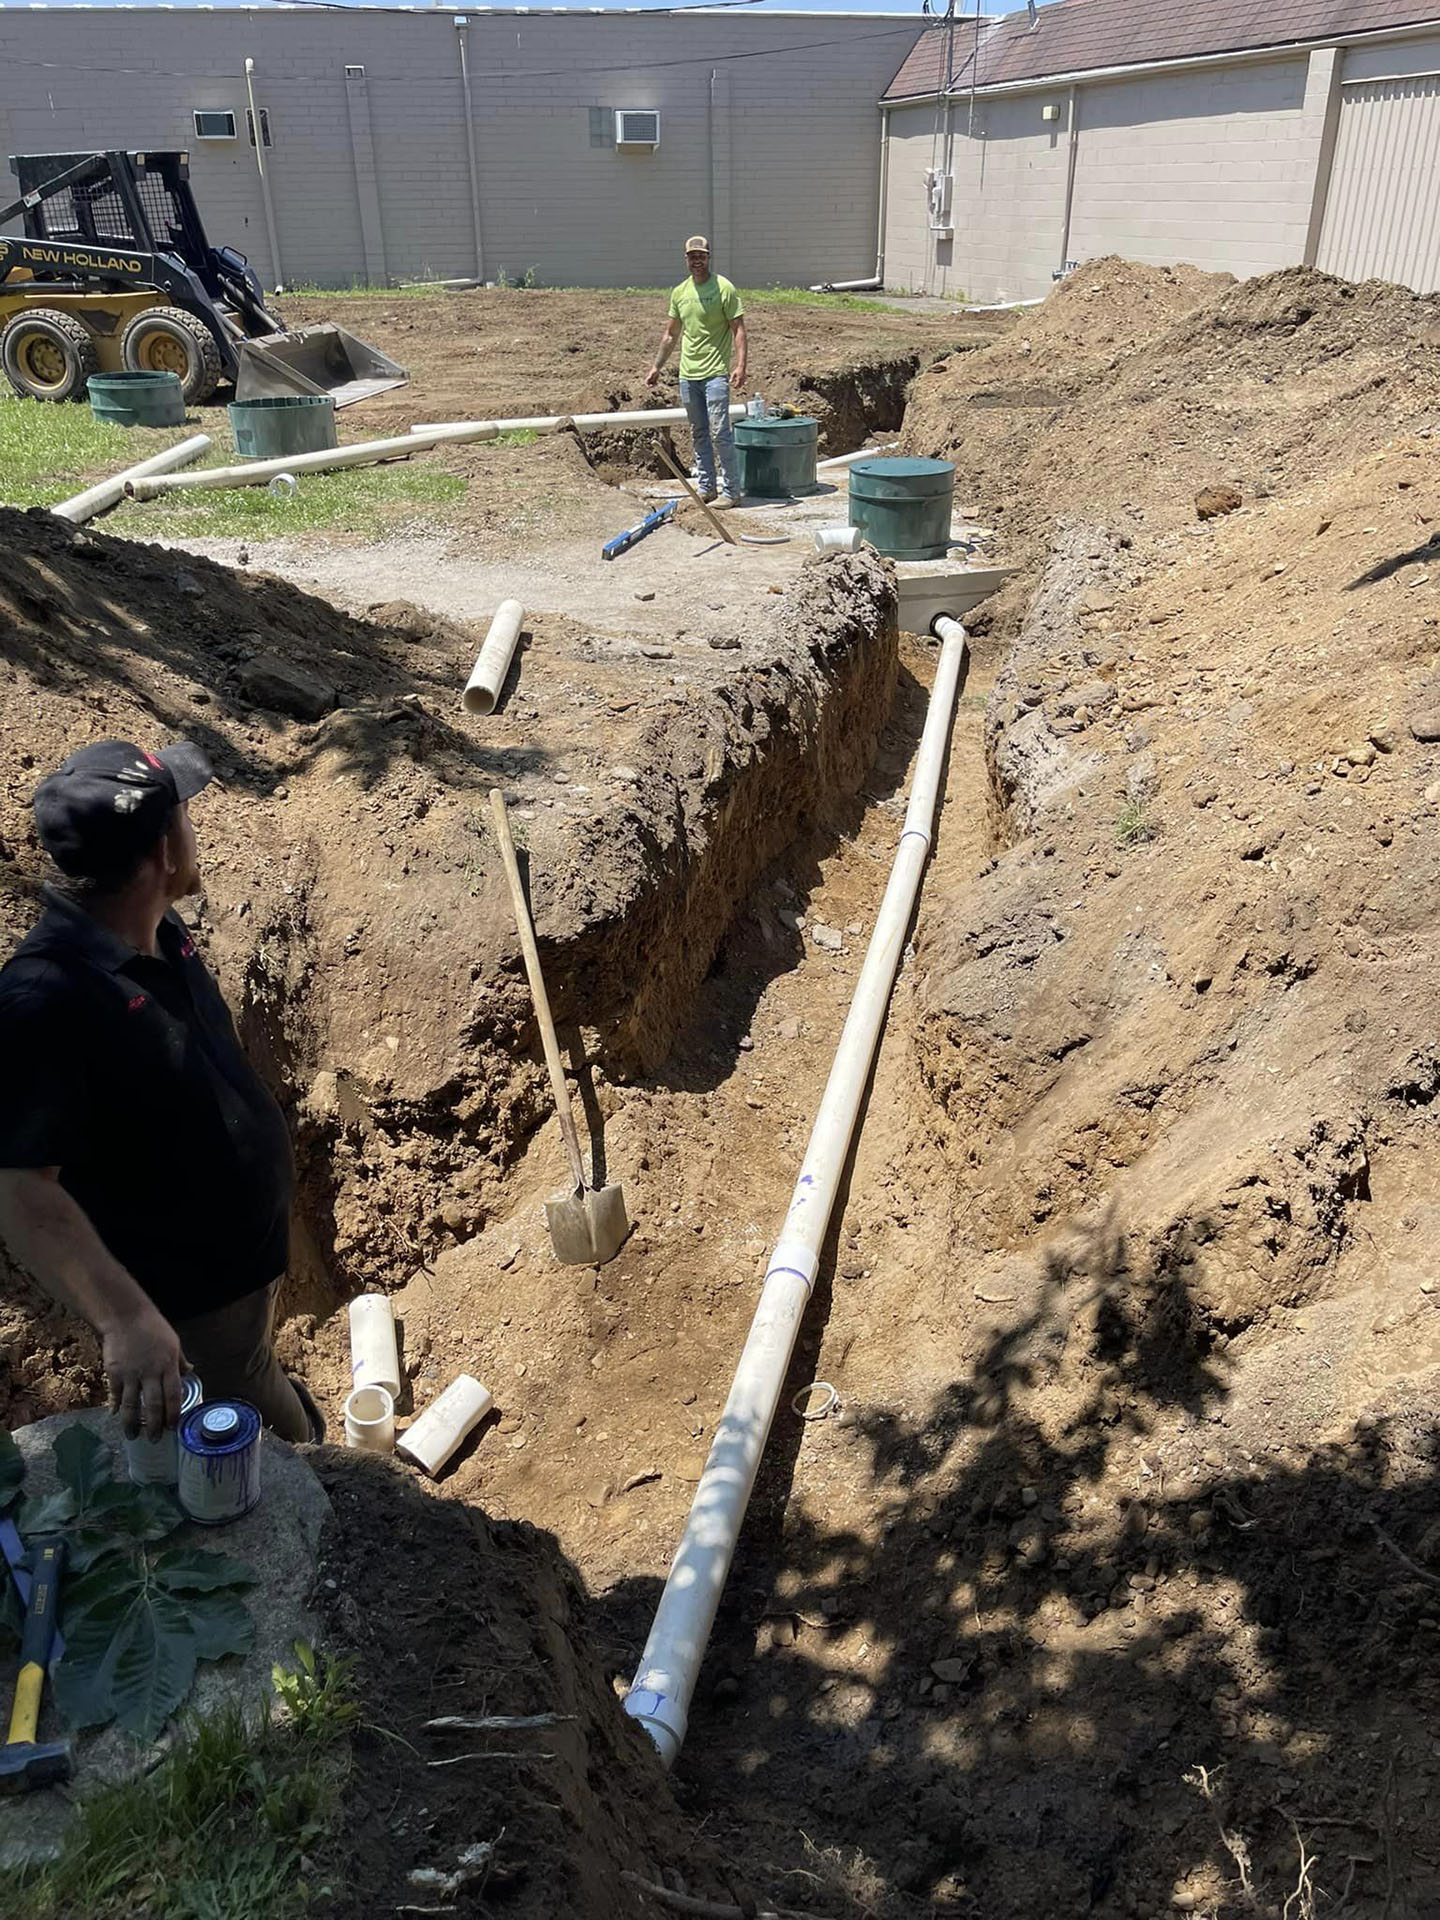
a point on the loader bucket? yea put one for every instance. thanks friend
(320, 359)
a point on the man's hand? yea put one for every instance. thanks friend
(737, 379)
(652, 376)
(143, 1360)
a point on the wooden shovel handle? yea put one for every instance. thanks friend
(544, 1019)
(714, 519)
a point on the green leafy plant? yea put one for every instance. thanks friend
(316, 1692)
(136, 1622)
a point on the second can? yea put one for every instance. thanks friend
(219, 1462)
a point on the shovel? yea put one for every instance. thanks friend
(587, 1225)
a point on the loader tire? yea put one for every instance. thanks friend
(48, 355)
(169, 340)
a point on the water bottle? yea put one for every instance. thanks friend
(756, 408)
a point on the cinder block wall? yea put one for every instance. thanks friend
(769, 133)
(1215, 166)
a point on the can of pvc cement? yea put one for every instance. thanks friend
(157, 1462)
(219, 1462)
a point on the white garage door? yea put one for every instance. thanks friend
(1382, 213)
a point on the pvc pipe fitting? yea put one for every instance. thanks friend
(837, 539)
(370, 1420)
(445, 1423)
(482, 689)
(374, 1356)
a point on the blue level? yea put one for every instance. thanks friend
(632, 534)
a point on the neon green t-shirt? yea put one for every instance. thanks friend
(705, 314)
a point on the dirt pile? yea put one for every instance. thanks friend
(483, 1621)
(1165, 1497)
(1134, 387)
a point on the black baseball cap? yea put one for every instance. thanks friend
(105, 808)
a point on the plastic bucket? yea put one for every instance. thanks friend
(777, 457)
(137, 399)
(294, 423)
(903, 506)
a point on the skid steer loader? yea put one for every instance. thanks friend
(113, 271)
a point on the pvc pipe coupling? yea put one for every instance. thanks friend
(370, 1420)
(445, 1423)
(838, 539)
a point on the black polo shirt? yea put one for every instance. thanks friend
(125, 1071)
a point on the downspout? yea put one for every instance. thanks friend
(462, 28)
(884, 190)
(670, 1665)
(1070, 180)
(277, 272)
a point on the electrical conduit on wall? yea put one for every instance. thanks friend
(665, 1680)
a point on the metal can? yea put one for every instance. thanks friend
(219, 1462)
(156, 1463)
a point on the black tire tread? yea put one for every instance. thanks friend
(79, 336)
(206, 368)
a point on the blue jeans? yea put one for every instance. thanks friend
(708, 404)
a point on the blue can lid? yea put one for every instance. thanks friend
(219, 1423)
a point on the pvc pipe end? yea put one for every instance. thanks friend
(479, 700)
(662, 1717)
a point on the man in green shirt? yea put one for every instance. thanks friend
(709, 321)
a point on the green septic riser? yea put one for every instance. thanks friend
(274, 428)
(137, 399)
(903, 506)
(777, 457)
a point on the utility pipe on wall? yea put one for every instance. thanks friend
(665, 1680)
(462, 26)
(326, 460)
(1070, 160)
(106, 492)
(255, 121)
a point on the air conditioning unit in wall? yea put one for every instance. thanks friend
(938, 186)
(636, 128)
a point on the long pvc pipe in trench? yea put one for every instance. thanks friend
(665, 1679)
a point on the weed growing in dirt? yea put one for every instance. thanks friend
(222, 1827)
(520, 282)
(1135, 824)
(519, 437)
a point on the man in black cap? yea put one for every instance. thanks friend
(145, 1171)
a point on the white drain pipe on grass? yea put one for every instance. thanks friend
(665, 1680)
(255, 473)
(105, 493)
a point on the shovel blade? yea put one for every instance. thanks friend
(587, 1229)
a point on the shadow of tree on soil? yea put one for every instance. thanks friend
(1084, 1654)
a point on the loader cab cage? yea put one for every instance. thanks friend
(145, 204)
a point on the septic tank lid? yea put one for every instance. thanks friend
(902, 466)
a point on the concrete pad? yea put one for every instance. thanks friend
(278, 1540)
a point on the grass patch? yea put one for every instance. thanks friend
(367, 501)
(49, 452)
(1135, 825)
(219, 1829)
(517, 437)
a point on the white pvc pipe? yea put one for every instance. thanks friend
(105, 494)
(482, 689)
(849, 459)
(370, 1420)
(445, 1423)
(838, 539)
(586, 422)
(277, 275)
(665, 1680)
(256, 473)
(374, 1356)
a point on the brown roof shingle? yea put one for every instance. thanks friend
(1078, 36)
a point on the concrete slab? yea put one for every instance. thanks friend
(278, 1539)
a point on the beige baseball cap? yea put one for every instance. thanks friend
(697, 243)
